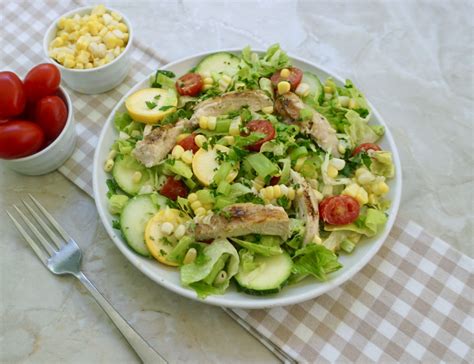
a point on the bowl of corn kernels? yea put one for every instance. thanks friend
(91, 47)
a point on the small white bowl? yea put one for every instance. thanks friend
(93, 80)
(55, 154)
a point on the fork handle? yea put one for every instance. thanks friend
(146, 353)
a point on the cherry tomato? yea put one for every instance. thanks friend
(365, 147)
(188, 143)
(339, 210)
(12, 95)
(294, 78)
(189, 84)
(42, 80)
(51, 116)
(20, 138)
(260, 126)
(174, 188)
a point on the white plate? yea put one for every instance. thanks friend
(169, 277)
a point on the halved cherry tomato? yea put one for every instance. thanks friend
(20, 138)
(174, 188)
(12, 95)
(188, 143)
(42, 80)
(260, 126)
(190, 84)
(339, 210)
(294, 79)
(365, 147)
(51, 116)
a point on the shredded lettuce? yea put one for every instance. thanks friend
(359, 131)
(247, 260)
(315, 260)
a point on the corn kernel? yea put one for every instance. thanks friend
(341, 148)
(337, 163)
(284, 190)
(200, 211)
(89, 65)
(380, 188)
(181, 137)
(268, 110)
(79, 66)
(136, 177)
(332, 171)
(352, 104)
(122, 27)
(208, 81)
(276, 191)
(285, 73)
(302, 89)
(372, 199)
(177, 151)
(61, 23)
(196, 204)
(117, 51)
(327, 90)
(234, 128)
(211, 122)
(167, 228)
(268, 193)
(69, 62)
(57, 42)
(109, 164)
(190, 256)
(200, 140)
(179, 231)
(291, 193)
(111, 41)
(203, 122)
(187, 157)
(192, 197)
(106, 18)
(299, 163)
(283, 87)
(73, 36)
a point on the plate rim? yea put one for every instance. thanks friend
(273, 301)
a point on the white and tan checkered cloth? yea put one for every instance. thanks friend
(411, 303)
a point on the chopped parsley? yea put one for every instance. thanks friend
(166, 107)
(150, 104)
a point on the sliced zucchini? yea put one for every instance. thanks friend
(124, 172)
(315, 87)
(133, 220)
(269, 277)
(222, 62)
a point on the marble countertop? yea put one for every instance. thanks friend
(413, 60)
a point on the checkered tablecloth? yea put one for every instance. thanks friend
(412, 302)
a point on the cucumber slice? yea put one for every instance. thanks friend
(315, 86)
(269, 277)
(219, 63)
(133, 220)
(124, 168)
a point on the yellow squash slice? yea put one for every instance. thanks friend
(150, 105)
(205, 165)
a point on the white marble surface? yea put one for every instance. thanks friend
(414, 60)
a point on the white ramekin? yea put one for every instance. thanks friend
(55, 154)
(93, 80)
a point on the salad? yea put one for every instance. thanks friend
(248, 171)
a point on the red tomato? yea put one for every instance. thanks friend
(12, 95)
(51, 116)
(260, 126)
(42, 80)
(189, 84)
(294, 79)
(20, 138)
(339, 210)
(365, 147)
(174, 188)
(188, 143)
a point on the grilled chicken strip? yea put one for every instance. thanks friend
(245, 218)
(255, 100)
(156, 145)
(318, 128)
(307, 208)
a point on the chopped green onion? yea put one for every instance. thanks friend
(298, 152)
(262, 165)
(222, 172)
(347, 245)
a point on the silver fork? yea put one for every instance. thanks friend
(61, 255)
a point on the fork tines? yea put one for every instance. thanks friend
(48, 245)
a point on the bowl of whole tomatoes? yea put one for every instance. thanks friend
(37, 132)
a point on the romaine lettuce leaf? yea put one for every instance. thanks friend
(194, 274)
(382, 163)
(368, 224)
(261, 249)
(359, 131)
(316, 260)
